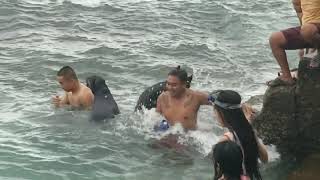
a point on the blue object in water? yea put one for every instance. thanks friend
(162, 126)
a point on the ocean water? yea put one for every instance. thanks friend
(132, 44)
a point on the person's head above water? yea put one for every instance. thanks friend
(67, 78)
(229, 113)
(181, 74)
(227, 160)
(177, 81)
(226, 100)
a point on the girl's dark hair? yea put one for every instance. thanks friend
(236, 121)
(227, 160)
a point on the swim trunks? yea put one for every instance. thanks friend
(162, 126)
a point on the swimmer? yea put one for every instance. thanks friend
(179, 104)
(76, 95)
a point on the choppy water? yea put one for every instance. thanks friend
(133, 44)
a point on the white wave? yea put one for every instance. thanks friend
(88, 3)
(39, 2)
(202, 139)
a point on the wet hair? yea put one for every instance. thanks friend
(236, 121)
(67, 72)
(181, 74)
(227, 160)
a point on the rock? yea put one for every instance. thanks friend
(309, 169)
(256, 101)
(290, 116)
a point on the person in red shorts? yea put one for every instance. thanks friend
(305, 36)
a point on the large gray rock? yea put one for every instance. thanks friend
(290, 116)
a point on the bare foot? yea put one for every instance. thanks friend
(294, 73)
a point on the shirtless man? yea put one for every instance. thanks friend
(305, 36)
(179, 104)
(76, 94)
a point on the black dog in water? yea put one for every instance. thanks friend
(104, 106)
(149, 97)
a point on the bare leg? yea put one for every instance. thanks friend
(277, 41)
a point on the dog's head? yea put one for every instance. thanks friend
(97, 84)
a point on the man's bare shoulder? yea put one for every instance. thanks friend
(86, 93)
(200, 96)
(86, 96)
(194, 93)
(85, 89)
(198, 93)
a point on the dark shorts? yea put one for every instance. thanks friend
(295, 39)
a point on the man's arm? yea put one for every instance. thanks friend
(64, 99)
(60, 101)
(297, 7)
(87, 100)
(203, 98)
(159, 102)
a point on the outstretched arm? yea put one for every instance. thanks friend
(203, 98)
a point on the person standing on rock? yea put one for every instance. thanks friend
(305, 36)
